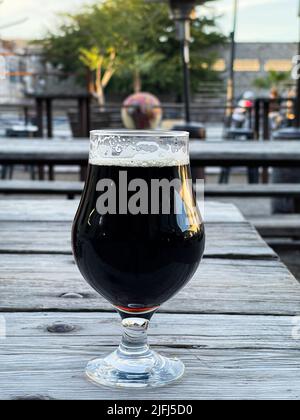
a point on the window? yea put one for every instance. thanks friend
(278, 65)
(248, 65)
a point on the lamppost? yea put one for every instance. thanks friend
(293, 133)
(181, 11)
(297, 103)
(230, 85)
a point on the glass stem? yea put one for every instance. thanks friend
(135, 339)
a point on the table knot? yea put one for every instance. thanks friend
(61, 328)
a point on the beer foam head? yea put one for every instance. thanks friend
(139, 148)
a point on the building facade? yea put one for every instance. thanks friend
(255, 60)
(22, 70)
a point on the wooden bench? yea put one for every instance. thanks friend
(280, 230)
(278, 225)
(69, 189)
(253, 190)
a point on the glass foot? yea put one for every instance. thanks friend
(134, 364)
(151, 370)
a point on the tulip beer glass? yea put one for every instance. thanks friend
(138, 238)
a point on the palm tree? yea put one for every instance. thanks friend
(274, 79)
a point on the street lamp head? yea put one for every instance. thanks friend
(182, 9)
(182, 15)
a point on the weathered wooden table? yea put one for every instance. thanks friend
(75, 152)
(232, 325)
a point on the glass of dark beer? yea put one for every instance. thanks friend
(138, 238)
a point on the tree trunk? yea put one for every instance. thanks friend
(100, 97)
(137, 81)
(90, 83)
(99, 88)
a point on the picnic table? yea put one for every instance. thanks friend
(232, 325)
(212, 153)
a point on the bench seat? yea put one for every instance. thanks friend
(40, 187)
(253, 190)
(278, 225)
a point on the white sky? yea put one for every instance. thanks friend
(259, 20)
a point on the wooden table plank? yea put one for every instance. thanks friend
(52, 282)
(226, 357)
(229, 331)
(224, 240)
(245, 153)
(64, 210)
(212, 153)
(217, 375)
(34, 151)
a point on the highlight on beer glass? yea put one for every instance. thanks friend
(138, 238)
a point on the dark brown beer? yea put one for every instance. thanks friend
(137, 262)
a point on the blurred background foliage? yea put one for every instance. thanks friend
(121, 46)
(274, 79)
